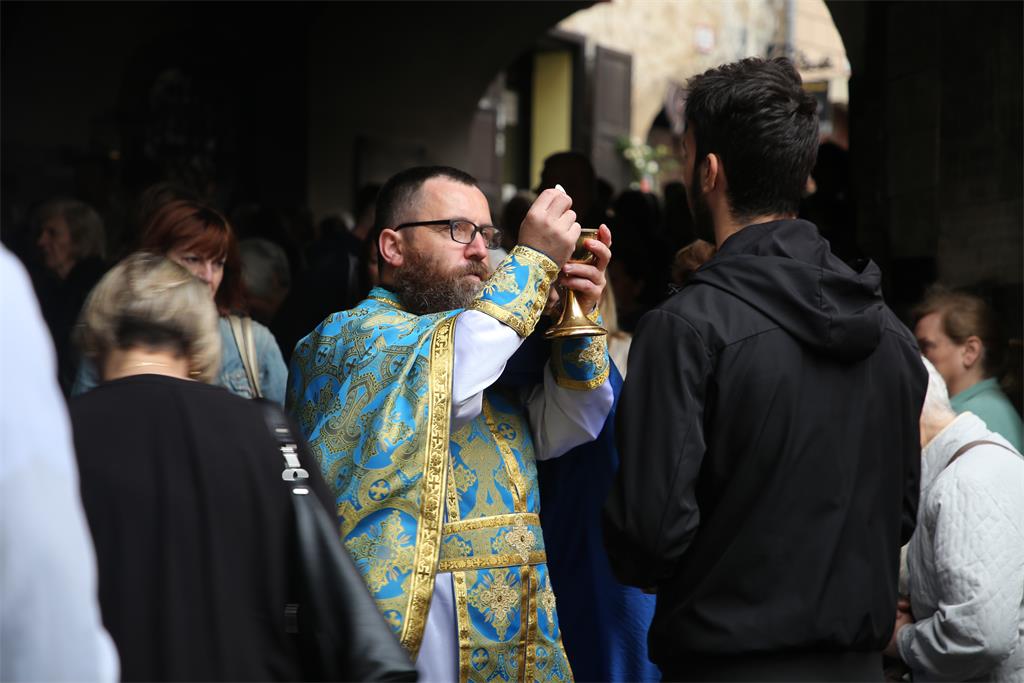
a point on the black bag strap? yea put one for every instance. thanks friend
(338, 622)
(280, 429)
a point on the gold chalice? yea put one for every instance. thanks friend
(573, 321)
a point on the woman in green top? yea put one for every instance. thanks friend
(957, 332)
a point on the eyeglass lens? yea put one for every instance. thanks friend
(464, 232)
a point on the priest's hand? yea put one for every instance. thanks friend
(588, 279)
(550, 226)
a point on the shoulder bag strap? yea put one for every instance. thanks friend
(252, 360)
(241, 330)
(968, 446)
(345, 636)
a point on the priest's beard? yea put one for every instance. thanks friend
(703, 224)
(424, 287)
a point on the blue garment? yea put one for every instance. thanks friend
(370, 389)
(273, 372)
(604, 623)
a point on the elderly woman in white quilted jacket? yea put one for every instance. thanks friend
(966, 558)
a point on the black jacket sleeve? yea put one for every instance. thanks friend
(651, 515)
(918, 387)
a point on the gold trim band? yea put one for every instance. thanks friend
(524, 310)
(530, 632)
(464, 626)
(494, 521)
(390, 302)
(521, 327)
(536, 258)
(582, 385)
(491, 561)
(435, 476)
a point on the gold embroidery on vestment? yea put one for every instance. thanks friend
(582, 385)
(593, 356)
(522, 311)
(534, 257)
(435, 473)
(498, 561)
(496, 600)
(492, 521)
(464, 625)
(522, 540)
(503, 279)
(519, 487)
(529, 612)
(547, 600)
(384, 553)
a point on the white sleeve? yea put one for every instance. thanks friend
(561, 418)
(978, 572)
(482, 347)
(50, 625)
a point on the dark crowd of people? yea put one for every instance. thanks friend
(756, 471)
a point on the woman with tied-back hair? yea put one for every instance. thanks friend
(181, 486)
(201, 239)
(960, 334)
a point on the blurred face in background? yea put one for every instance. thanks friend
(199, 238)
(55, 243)
(209, 269)
(945, 354)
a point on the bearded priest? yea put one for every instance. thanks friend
(433, 468)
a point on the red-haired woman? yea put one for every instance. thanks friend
(200, 239)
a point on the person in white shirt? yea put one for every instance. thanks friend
(50, 624)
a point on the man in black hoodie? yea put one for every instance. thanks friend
(768, 430)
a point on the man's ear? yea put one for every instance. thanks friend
(712, 174)
(972, 352)
(392, 248)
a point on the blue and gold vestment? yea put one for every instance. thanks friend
(371, 389)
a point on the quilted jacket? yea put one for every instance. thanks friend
(966, 561)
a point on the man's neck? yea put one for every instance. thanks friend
(726, 225)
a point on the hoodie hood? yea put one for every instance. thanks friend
(786, 270)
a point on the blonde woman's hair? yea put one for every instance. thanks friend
(609, 309)
(148, 300)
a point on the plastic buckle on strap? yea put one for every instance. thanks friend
(291, 618)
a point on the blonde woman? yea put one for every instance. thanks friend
(201, 240)
(181, 485)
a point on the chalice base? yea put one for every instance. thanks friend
(573, 322)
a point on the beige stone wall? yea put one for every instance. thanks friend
(669, 39)
(818, 39)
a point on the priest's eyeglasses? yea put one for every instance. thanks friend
(463, 231)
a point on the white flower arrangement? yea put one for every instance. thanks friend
(645, 162)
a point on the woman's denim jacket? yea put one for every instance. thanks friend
(273, 372)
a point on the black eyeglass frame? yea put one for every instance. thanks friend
(450, 222)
